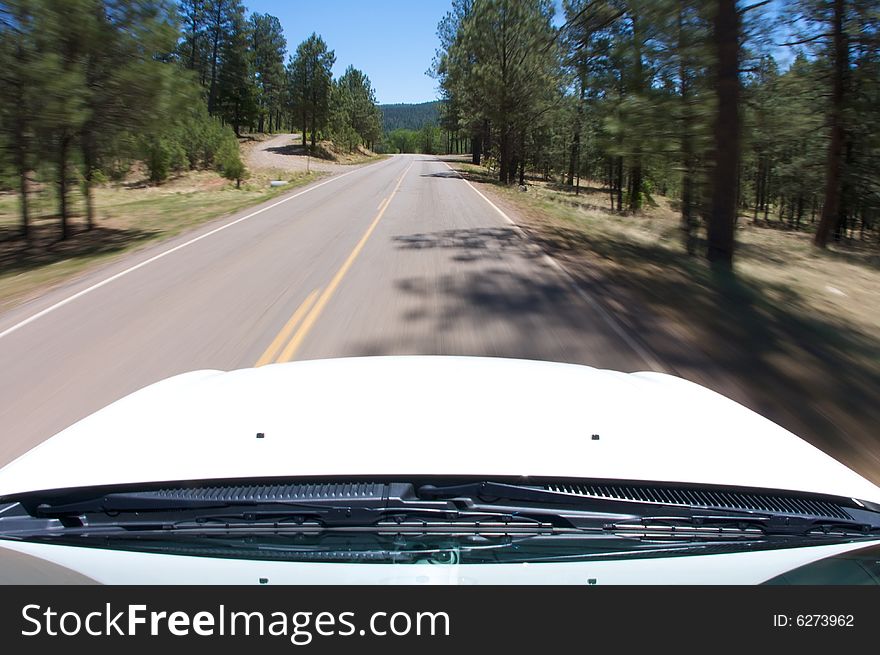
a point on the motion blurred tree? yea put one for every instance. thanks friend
(221, 15)
(236, 100)
(726, 24)
(680, 97)
(269, 46)
(842, 36)
(64, 36)
(125, 78)
(22, 68)
(193, 47)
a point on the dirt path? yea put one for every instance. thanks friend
(285, 152)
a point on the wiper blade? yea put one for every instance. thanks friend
(315, 498)
(672, 521)
(282, 506)
(469, 506)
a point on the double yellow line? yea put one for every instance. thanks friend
(305, 316)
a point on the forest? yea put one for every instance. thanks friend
(756, 110)
(409, 116)
(93, 88)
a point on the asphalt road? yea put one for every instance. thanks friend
(398, 257)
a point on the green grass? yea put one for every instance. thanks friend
(128, 217)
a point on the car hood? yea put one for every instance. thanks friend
(429, 416)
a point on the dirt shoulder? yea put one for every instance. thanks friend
(285, 152)
(793, 335)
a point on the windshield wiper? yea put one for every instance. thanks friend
(675, 518)
(483, 507)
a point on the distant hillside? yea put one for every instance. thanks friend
(410, 117)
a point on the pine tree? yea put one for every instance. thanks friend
(22, 70)
(268, 47)
(236, 96)
(503, 69)
(310, 78)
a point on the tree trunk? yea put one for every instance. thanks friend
(23, 201)
(722, 219)
(476, 148)
(303, 127)
(610, 172)
(635, 173)
(89, 163)
(22, 169)
(504, 156)
(522, 158)
(620, 184)
(90, 200)
(63, 147)
(576, 136)
(635, 184)
(834, 164)
(759, 187)
(192, 52)
(688, 225)
(843, 219)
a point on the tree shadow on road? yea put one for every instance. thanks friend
(472, 244)
(497, 296)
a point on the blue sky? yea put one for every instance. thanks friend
(392, 41)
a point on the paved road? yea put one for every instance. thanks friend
(398, 257)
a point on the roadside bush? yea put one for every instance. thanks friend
(157, 159)
(213, 139)
(189, 138)
(229, 161)
(200, 136)
(162, 155)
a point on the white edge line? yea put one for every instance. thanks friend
(649, 358)
(112, 278)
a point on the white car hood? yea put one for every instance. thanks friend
(448, 416)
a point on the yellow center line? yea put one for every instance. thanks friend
(282, 337)
(289, 352)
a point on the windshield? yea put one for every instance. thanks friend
(452, 283)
